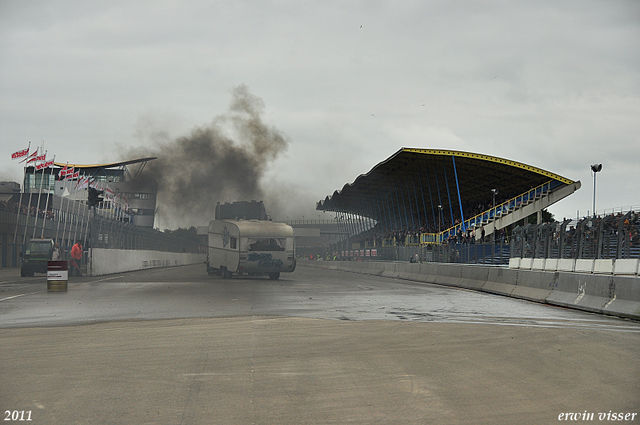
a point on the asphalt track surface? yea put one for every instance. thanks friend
(175, 346)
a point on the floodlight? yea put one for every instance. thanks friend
(596, 168)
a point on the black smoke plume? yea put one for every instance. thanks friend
(224, 161)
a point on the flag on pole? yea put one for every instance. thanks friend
(45, 164)
(109, 192)
(83, 182)
(42, 157)
(63, 172)
(20, 154)
(33, 155)
(69, 173)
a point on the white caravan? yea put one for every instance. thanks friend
(253, 247)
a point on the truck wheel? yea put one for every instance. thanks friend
(23, 272)
(274, 276)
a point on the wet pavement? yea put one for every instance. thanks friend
(188, 292)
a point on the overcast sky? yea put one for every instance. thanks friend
(554, 84)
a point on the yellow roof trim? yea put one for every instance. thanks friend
(490, 159)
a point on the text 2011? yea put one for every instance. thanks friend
(17, 415)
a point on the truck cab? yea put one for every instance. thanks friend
(36, 256)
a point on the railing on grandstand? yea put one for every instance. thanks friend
(502, 209)
(609, 237)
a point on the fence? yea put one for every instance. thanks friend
(615, 236)
(113, 234)
(471, 253)
(98, 232)
(17, 228)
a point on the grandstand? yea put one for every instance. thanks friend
(428, 196)
(137, 198)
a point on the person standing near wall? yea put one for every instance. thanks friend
(76, 257)
(56, 253)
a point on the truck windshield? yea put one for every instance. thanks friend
(267, 244)
(38, 248)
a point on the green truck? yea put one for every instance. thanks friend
(36, 256)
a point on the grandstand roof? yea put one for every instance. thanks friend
(107, 165)
(421, 179)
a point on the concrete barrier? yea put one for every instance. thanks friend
(601, 293)
(534, 285)
(626, 266)
(603, 266)
(584, 291)
(538, 264)
(626, 298)
(623, 266)
(501, 281)
(583, 266)
(551, 265)
(566, 265)
(526, 263)
(473, 276)
(108, 261)
(429, 271)
(448, 274)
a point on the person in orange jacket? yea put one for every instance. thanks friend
(76, 257)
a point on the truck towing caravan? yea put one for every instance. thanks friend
(253, 247)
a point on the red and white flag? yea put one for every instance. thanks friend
(42, 157)
(20, 154)
(83, 182)
(63, 172)
(45, 164)
(69, 173)
(29, 158)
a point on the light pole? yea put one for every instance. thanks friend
(493, 234)
(596, 168)
(439, 221)
(495, 192)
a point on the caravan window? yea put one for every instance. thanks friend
(267, 244)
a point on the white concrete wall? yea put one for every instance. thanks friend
(620, 266)
(107, 261)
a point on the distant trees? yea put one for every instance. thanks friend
(190, 234)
